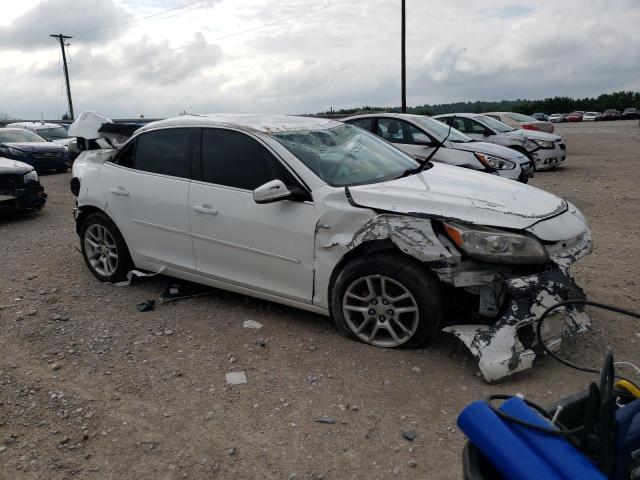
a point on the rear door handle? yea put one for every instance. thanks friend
(206, 209)
(119, 191)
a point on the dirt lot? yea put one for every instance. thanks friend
(91, 388)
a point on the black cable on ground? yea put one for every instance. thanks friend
(541, 410)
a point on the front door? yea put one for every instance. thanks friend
(268, 247)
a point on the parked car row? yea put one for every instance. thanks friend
(580, 116)
(331, 217)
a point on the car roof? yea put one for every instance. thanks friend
(33, 124)
(255, 122)
(406, 116)
(463, 115)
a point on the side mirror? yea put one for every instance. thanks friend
(487, 133)
(272, 191)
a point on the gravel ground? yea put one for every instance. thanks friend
(91, 388)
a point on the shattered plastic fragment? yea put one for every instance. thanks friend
(236, 378)
(252, 324)
(136, 273)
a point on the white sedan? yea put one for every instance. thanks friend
(329, 218)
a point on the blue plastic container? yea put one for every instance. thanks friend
(557, 452)
(628, 442)
(507, 452)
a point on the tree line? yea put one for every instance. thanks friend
(616, 100)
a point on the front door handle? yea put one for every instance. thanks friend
(119, 191)
(206, 209)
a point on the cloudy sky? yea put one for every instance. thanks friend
(160, 57)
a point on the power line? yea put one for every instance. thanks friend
(140, 19)
(210, 42)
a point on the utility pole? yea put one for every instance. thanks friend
(61, 38)
(404, 59)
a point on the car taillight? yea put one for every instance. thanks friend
(527, 126)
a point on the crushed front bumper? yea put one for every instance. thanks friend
(509, 344)
(29, 197)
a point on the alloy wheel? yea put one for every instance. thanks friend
(380, 311)
(101, 250)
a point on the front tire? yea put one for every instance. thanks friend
(387, 300)
(103, 248)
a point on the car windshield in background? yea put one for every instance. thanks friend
(53, 133)
(497, 125)
(441, 130)
(520, 118)
(10, 136)
(345, 155)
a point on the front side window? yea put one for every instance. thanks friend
(345, 155)
(163, 151)
(234, 159)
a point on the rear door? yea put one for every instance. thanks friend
(147, 188)
(268, 247)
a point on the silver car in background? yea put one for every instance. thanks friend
(421, 137)
(547, 150)
(518, 120)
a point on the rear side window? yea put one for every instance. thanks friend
(236, 160)
(125, 156)
(362, 123)
(163, 151)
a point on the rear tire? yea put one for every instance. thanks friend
(104, 249)
(387, 300)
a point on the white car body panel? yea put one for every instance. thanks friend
(288, 251)
(268, 247)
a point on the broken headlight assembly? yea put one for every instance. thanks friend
(31, 176)
(545, 144)
(495, 163)
(530, 145)
(496, 246)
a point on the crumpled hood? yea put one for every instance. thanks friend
(13, 166)
(30, 147)
(534, 135)
(491, 149)
(449, 192)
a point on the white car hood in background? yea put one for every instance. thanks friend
(490, 149)
(87, 125)
(455, 193)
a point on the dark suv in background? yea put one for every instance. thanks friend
(630, 114)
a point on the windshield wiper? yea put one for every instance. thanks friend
(426, 163)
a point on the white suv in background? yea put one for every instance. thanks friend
(546, 149)
(421, 137)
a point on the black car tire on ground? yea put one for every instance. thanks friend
(408, 273)
(124, 262)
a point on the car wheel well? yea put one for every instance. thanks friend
(84, 212)
(363, 250)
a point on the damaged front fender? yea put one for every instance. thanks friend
(509, 345)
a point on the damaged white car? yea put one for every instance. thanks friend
(329, 218)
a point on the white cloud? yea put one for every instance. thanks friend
(215, 56)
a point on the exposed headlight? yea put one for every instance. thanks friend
(16, 152)
(496, 163)
(496, 246)
(31, 176)
(544, 144)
